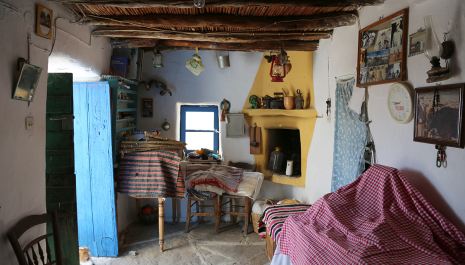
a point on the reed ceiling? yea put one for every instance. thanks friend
(253, 25)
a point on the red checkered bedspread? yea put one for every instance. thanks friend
(378, 219)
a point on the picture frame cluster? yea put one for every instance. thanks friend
(382, 51)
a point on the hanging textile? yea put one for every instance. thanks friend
(153, 174)
(350, 135)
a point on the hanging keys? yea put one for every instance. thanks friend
(441, 156)
(328, 109)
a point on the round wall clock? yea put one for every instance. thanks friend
(400, 103)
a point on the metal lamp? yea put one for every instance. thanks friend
(157, 59)
(434, 50)
(280, 66)
(157, 56)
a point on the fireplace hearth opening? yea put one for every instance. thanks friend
(289, 142)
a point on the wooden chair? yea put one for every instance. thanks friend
(191, 214)
(24, 255)
(197, 202)
(232, 198)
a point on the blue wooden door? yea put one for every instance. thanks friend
(95, 193)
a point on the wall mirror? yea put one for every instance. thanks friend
(382, 49)
(27, 83)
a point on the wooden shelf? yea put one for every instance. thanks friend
(119, 78)
(120, 101)
(298, 113)
(125, 120)
(125, 129)
(127, 91)
(126, 110)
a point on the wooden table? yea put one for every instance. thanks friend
(161, 217)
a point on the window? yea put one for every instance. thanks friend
(199, 127)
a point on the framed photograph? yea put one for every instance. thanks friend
(368, 38)
(363, 56)
(438, 115)
(44, 21)
(417, 43)
(147, 108)
(385, 46)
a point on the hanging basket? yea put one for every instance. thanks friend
(256, 216)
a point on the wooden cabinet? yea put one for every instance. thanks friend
(124, 100)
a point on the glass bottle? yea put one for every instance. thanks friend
(433, 47)
(199, 3)
(276, 160)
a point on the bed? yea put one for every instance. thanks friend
(378, 219)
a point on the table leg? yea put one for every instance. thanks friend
(173, 209)
(161, 224)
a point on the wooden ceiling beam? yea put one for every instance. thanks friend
(321, 21)
(224, 3)
(170, 45)
(222, 37)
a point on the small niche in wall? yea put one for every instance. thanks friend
(289, 142)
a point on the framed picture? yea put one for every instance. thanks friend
(438, 115)
(147, 108)
(384, 46)
(417, 43)
(44, 21)
(27, 83)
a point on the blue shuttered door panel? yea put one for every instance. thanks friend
(95, 194)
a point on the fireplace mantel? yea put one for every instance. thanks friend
(303, 120)
(298, 113)
(301, 77)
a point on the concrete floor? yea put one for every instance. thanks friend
(200, 246)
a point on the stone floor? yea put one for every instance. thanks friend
(200, 246)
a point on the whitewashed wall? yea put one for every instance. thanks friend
(394, 142)
(210, 88)
(22, 156)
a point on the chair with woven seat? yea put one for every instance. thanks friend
(24, 254)
(197, 202)
(191, 214)
(233, 211)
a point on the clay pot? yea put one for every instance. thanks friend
(289, 102)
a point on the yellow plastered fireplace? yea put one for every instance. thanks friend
(300, 77)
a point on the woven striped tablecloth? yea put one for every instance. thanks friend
(154, 174)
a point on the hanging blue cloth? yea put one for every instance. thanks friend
(350, 136)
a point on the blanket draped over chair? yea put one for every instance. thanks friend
(378, 219)
(225, 177)
(273, 218)
(153, 174)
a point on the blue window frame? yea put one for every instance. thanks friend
(199, 127)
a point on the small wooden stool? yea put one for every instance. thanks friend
(190, 214)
